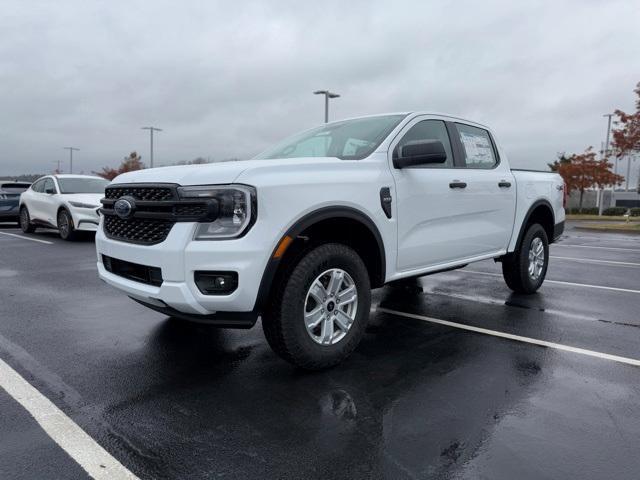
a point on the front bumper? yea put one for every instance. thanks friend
(178, 257)
(85, 219)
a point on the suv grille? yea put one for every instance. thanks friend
(157, 208)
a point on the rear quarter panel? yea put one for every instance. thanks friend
(532, 187)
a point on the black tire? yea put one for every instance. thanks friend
(25, 221)
(515, 267)
(284, 320)
(65, 225)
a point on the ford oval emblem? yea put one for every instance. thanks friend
(124, 207)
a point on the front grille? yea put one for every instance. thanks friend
(150, 194)
(191, 210)
(133, 271)
(137, 230)
(155, 209)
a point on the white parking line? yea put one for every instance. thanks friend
(501, 301)
(617, 238)
(590, 260)
(518, 338)
(558, 282)
(94, 459)
(617, 249)
(26, 238)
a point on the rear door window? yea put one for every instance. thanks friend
(477, 146)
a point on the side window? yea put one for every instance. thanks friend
(38, 186)
(430, 130)
(478, 150)
(48, 185)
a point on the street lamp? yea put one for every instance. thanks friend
(71, 149)
(327, 95)
(605, 157)
(151, 130)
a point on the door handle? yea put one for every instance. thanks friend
(457, 184)
(504, 184)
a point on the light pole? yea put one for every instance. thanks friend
(327, 95)
(606, 145)
(71, 149)
(151, 130)
(605, 156)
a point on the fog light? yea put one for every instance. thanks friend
(216, 283)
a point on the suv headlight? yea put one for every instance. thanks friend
(237, 207)
(82, 205)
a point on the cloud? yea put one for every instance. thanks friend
(227, 79)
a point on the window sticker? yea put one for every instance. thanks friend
(477, 148)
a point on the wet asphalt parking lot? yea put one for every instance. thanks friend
(424, 396)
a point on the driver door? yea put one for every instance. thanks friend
(432, 215)
(49, 205)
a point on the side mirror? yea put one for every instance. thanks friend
(49, 191)
(420, 152)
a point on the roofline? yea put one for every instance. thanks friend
(414, 114)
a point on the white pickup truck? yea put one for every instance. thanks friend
(300, 234)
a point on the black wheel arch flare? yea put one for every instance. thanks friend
(527, 217)
(301, 225)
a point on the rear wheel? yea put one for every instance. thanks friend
(525, 269)
(318, 313)
(25, 221)
(65, 225)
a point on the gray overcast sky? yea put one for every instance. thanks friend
(227, 79)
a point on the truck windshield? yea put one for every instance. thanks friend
(347, 140)
(82, 185)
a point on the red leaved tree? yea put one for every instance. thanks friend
(129, 164)
(582, 171)
(626, 139)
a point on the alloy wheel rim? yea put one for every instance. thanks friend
(64, 224)
(536, 258)
(24, 218)
(330, 306)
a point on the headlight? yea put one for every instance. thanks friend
(82, 205)
(236, 209)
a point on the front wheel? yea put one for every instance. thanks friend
(25, 221)
(525, 269)
(318, 314)
(65, 225)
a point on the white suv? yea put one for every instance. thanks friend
(300, 234)
(69, 203)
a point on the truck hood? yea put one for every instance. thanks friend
(88, 198)
(213, 173)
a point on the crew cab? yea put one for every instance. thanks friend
(300, 234)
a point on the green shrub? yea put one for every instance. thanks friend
(614, 211)
(585, 211)
(635, 212)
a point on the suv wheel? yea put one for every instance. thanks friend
(25, 221)
(319, 311)
(65, 225)
(524, 270)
